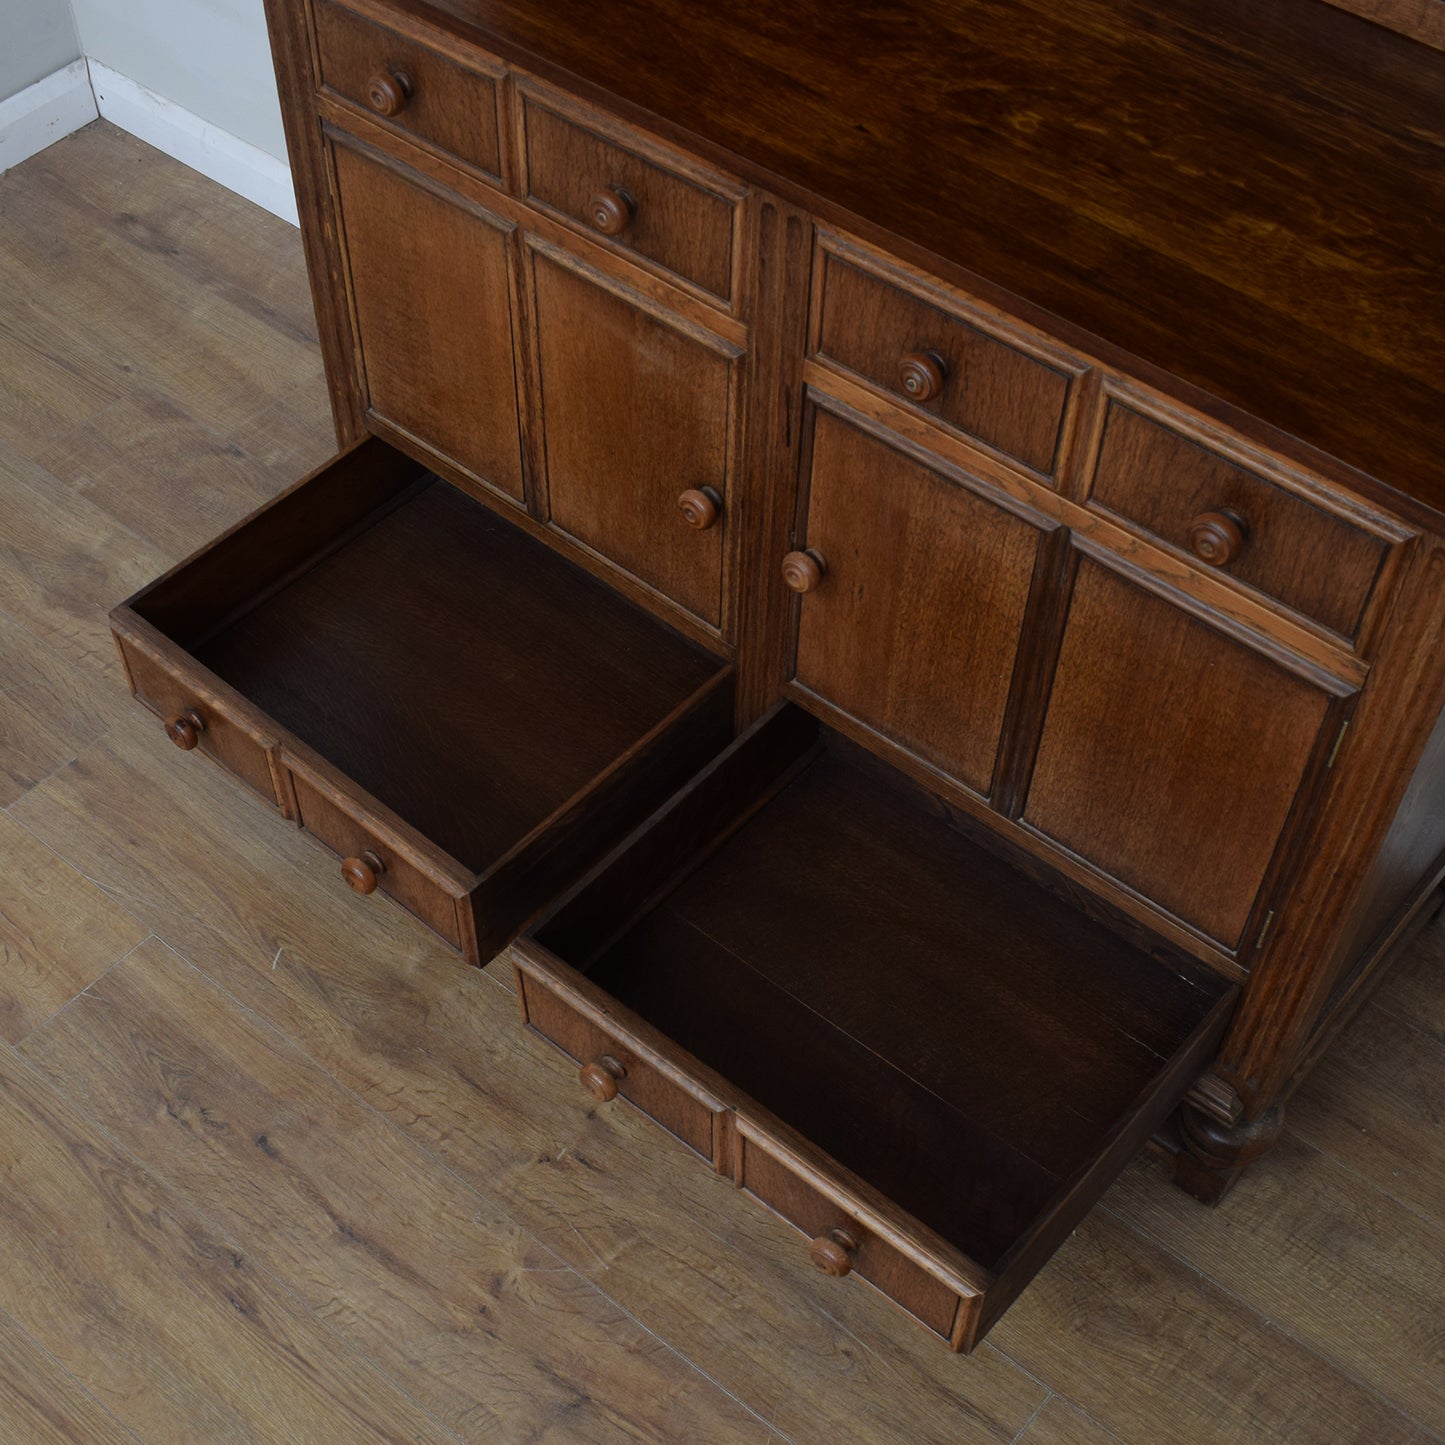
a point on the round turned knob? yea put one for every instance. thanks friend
(388, 91)
(700, 507)
(360, 874)
(804, 571)
(602, 1077)
(185, 729)
(921, 375)
(611, 211)
(1218, 537)
(833, 1252)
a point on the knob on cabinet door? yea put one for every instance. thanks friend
(184, 729)
(611, 211)
(389, 91)
(601, 1078)
(804, 571)
(833, 1252)
(360, 874)
(700, 507)
(921, 375)
(1218, 537)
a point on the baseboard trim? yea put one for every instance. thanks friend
(44, 113)
(217, 154)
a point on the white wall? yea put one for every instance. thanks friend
(37, 37)
(210, 57)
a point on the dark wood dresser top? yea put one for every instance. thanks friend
(1250, 197)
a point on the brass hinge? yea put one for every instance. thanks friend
(1264, 930)
(1339, 741)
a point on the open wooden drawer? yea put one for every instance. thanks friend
(926, 1062)
(464, 716)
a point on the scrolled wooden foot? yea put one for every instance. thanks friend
(1215, 1154)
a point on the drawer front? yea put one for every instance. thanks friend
(410, 87)
(766, 1175)
(1234, 520)
(659, 1095)
(166, 688)
(398, 877)
(943, 364)
(631, 201)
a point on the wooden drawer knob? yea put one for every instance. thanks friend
(602, 1077)
(185, 729)
(700, 507)
(388, 91)
(611, 211)
(1218, 537)
(804, 571)
(361, 873)
(833, 1252)
(921, 375)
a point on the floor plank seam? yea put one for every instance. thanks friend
(1429, 1221)
(1339, 1367)
(1029, 1423)
(165, 1187)
(105, 973)
(266, 1025)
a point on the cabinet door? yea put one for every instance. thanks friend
(914, 628)
(1171, 754)
(429, 281)
(636, 410)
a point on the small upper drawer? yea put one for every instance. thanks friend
(410, 87)
(943, 362)
(644, 203)
(1153, 473)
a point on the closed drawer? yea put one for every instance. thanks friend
(656, 207)
(373, 862)
(1173, 484)
(441, 691)
(406, 85)
(944, 363)
(613, 1065)
(914, 1044)
(845, 1238)
(197, 714)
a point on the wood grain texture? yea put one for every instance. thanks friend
(987, 389)
(449, 106)
(1392, 1250)
(681, 226)
(478, 1323)
(606, 1190)
(155, 1312)
(1149, 174)
(429, 284)
(43, 1404)
(1175, 1357)
(922, 571)
(58, 932)
(1060, 1423)
(636, 410)
(1142, 767)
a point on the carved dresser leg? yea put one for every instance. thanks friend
(1215, 1154)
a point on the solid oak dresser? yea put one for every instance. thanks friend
(894, 555)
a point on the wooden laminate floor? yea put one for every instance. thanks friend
(274, 1165)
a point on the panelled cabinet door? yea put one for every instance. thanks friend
(637, 411)
(912, 625)
(430, 284)
(1172, 755)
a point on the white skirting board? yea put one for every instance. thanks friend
(235, 164)
(44, 113)
(63, 102)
